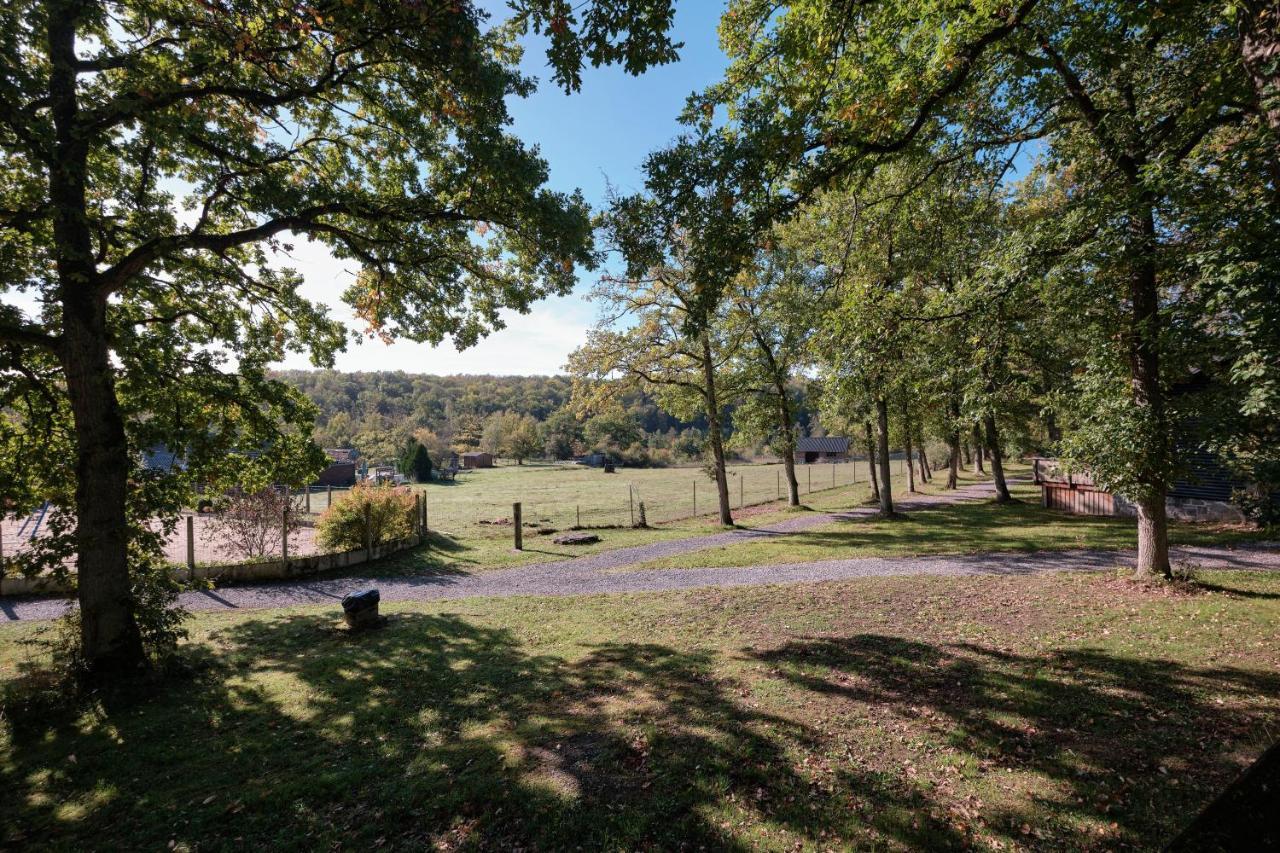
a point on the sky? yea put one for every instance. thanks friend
(593, 137)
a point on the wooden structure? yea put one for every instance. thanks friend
(477, 459)
(1073, 493)
(833, 448)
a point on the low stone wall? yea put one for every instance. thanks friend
(1189, 509)
(254, 572)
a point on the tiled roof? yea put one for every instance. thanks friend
(830, 444)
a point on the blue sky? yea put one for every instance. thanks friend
(600, 134)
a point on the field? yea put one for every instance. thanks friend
(1048, 712)
(566, 495)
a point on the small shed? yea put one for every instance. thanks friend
(477, 459)
(829, 449)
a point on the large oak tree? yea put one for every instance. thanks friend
(159, 158)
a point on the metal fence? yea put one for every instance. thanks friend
(459, 509)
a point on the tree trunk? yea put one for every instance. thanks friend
(1260, 51)
(787, 425)
(1144, 359)
(110, 641)
(871, 462)
(977, 450)
(925, 471)
(997, 464)
(964, 448)
(953, 442)
(906, 441)
(713, 428)
(882, 451)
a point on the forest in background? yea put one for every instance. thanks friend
(515, 417)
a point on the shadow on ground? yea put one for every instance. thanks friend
(439, 731)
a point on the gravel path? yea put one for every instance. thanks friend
(599, 573)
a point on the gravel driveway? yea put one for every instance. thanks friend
(599, 573)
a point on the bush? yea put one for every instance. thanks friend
(341, 528)
(250, 525)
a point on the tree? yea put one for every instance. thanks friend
(415, 461)
(561, 434)
(1132, 102)
(522, 441)
(670, 348)
(158, 156)
(772, 305)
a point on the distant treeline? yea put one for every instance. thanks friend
(378, 412)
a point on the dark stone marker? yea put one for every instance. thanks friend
(360, 609)
(576, 539)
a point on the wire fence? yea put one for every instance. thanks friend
(677, 495)
(469, 507)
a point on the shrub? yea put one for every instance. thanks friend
(249, 525)
(341, 528)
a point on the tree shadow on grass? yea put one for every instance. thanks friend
(1134, 742)
(438, 730)
(431, 731)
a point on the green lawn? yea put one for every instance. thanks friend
(954, 529)
(561, 495)
(1051, 712)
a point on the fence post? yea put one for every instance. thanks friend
(284, 533)
(742, 488)
(833, 475)
(695, 498)
(517, 525)
(329, 498)
(810, 470)
(777, 476)
(577, 512)
(368, 532)
(426, 521)
(417, 514)
(191, 547)
(631, 503)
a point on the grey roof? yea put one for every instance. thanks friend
(830, 444)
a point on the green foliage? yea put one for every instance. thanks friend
(415, 462)
(343, 526)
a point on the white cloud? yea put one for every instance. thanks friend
(536, 343)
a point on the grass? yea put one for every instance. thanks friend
(560, 494)
(1049, 712)
(955, 529)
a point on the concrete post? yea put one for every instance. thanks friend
(518, 525)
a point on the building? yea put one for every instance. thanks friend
(341, 470)
(829, 449)
(477, 459)
(1204, 495)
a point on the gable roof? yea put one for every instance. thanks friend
(830, 444)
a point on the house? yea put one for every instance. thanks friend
(1204, 495)
(477, 459)
(828, 449)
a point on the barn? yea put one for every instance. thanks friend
(829, 449)
(477, 459)
(1204, 495)
(341, 470)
